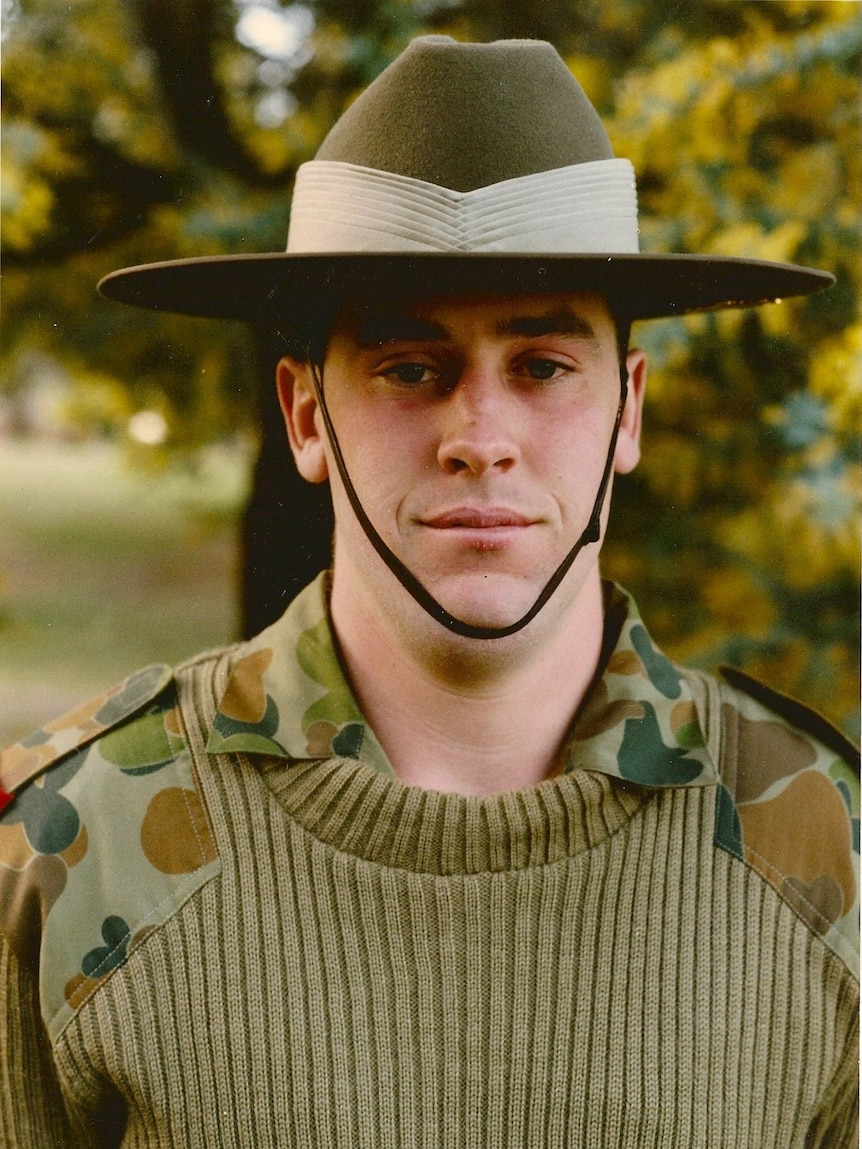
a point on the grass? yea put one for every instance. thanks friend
(104, 570)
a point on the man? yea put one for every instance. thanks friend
(451, 854)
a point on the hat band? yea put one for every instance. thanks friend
(580, 209)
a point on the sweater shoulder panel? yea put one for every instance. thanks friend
(787, 804)
(104, 843)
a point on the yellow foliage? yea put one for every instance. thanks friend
(751, 241)
(779, 318)
(836, 376)
(749, 146)
(736, 601)
(593, 75)
(809, 183)
(672, 465)
(31, 159)
(787, 534)
(26, 207)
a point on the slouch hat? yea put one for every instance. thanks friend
(475, 168)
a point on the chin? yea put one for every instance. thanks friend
(492, 600)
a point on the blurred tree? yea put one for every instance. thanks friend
(140, 129)
(748, 145)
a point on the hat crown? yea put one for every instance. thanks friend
(464, 116)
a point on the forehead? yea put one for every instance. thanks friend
(383, 320)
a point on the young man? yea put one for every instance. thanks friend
(451, 854)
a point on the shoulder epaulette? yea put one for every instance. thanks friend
(57, 739)
(805, 718)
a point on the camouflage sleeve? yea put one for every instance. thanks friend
(32, 1112)
(789, 807)
(39, 831)
(102, 837)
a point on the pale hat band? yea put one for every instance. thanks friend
(341, 207)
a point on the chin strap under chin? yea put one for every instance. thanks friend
(591, 533)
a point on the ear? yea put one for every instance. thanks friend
(628, 450)
(299, 407)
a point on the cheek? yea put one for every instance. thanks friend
(569, 458)
(386, 455)
(572, 439)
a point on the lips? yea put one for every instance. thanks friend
(478, 519)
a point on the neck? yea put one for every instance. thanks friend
(473, 716)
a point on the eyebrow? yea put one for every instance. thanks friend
(560, 321)
(381, 327)
(378, 328)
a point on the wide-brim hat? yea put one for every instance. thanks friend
(474, 168)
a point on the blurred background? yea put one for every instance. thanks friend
(147, 504)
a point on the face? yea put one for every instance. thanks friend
(475, 431)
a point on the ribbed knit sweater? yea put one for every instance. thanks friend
(575, 964)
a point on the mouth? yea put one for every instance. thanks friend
(480, 528)
(478, 519)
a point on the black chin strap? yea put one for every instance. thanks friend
(591, 533)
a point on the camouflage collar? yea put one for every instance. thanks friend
(287, 696)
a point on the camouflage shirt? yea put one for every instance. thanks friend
(105, 835)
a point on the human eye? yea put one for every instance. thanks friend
(408, 373)
(544, 370)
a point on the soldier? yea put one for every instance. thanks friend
(451, 853)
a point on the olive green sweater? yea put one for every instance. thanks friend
(358, 964)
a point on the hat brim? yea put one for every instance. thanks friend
(266, 287)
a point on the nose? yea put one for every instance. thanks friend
(478, 426)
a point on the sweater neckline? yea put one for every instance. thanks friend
(355, 809)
